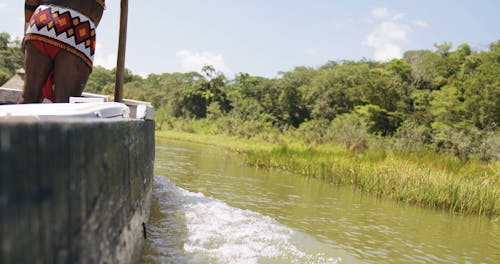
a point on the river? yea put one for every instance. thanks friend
(209, 207)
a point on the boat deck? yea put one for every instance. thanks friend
(96, 106)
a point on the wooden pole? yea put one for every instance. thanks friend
(122, 44)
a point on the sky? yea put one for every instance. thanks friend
(265, 37)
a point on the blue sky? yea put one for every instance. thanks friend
(264, 37)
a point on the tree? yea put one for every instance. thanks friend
(291, 106)
(11, 57)
(383, 89)
(215, 89)
(443, 49)
(253, 98)
(424, 71)
(101, 81)
(481, 92)
(463, 51)
(4, 40)
(336, 91)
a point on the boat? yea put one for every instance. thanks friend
(75, 180)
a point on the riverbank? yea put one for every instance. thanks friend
(423, 178)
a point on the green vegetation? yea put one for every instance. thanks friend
(421, 129)
(11, 57)
(445, 101)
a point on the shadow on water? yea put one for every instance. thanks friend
(214, 209)
(165, 230)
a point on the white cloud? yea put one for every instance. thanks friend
(398, 16)
(3, 6)
(389, 33)
(420, 23)
(387, 51)
(380, 12)
(385, 38)
(195, 61)
(107, 61)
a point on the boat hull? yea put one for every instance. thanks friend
(74, 190)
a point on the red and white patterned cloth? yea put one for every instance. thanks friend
(63, 28)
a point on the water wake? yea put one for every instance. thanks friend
(193, 228)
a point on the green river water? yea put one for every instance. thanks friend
(209, 207)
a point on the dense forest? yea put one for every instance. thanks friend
(444, 99)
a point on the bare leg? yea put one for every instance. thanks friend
(70, 76)
(37, 69)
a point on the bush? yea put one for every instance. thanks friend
(453, 140)
(411, 136)
(4, 75)
(233, 126)
(489, 146)
(314, 131)
(214, 111)
(350, 130)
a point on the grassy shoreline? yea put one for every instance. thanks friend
(424, 178)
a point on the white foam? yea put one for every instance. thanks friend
(207, 230)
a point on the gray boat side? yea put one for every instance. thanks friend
(75, 182)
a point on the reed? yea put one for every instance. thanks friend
(423, 178)
(435, 181)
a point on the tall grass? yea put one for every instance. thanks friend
(430, 180)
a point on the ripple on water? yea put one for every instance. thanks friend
(200, 229)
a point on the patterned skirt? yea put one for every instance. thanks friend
(63, 28)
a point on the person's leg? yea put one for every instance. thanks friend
(38, 67)
(70, 76)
